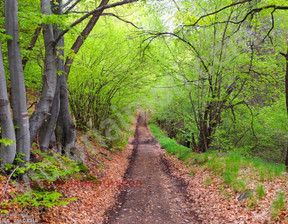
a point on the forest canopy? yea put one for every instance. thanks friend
(213, 74)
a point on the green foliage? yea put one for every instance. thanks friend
(41, 198)
(228, 166)
(251, 202)
(6, 141)
(278, 204)
(171, 146)
(50, 169)
(43, 174)
(197, 72)
(260, 191)
(225, 90)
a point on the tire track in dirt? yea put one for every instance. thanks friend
(161, 198)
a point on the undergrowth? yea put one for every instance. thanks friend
(235, 169)
(43, 175)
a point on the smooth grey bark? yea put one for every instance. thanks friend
(48, 128)
(18, 92)
(42, 109)
(65, 131)
(7, 153)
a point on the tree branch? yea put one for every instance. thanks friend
(31, 45)
(71, 7)
(67, 3)
(99, 9)
(118, 17)
(234, 105)
(7, 182)
(219, 10)
(272, 27)
(250, 13)
(183, 40)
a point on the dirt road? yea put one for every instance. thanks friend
(161, 197)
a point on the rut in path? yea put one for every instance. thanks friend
(161, 198)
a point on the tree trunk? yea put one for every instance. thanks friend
(286, 95)
(7, 153)
(18, 92)
(286, 91)
(193, 144)
(65, 129)
(48, 127)
(49, 78)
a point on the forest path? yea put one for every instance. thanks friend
(161, 197)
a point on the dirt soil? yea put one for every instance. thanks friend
(162, 190)
(161, 197)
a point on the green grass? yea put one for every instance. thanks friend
(260, 191)
(278, 204)
(208, 181)
(226, 165)
(171, 146)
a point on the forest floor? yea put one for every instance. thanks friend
(170, 194)
(155, 187)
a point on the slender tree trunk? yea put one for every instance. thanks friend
(18, 92)
(203, 142)
(286, 91)
(7, 153)
(286, 95)
(193, 142)
(42, 109)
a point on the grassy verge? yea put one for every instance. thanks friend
(171, 146)
(236, 171)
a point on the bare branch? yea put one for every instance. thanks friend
(177, 6)
(272, 27)
(118, 17)
(183, 40)
(219, 10)
(7, 182)
(252, 12)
